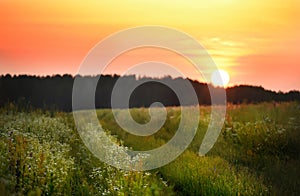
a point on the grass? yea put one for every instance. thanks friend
(42, 154)
(257, 153)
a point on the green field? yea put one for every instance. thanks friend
(257, 153)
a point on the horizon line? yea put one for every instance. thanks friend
(141, 77)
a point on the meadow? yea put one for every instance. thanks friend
(257, 153)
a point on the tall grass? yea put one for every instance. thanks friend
(257, 153)
(41, 154)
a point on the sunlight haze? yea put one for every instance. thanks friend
(256, 42)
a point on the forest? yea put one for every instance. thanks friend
(55, 92)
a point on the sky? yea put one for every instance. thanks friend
(256, 42)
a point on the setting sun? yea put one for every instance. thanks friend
(220, 78)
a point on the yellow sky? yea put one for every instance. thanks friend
(247, 38)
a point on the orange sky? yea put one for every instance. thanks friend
(256, 41)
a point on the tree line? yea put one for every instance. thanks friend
(56, 91)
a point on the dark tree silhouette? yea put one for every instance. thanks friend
(56, 91)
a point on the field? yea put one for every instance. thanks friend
(257, 153)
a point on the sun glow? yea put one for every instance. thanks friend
(247, 38)
(220, 78)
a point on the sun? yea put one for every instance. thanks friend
(220, 78)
